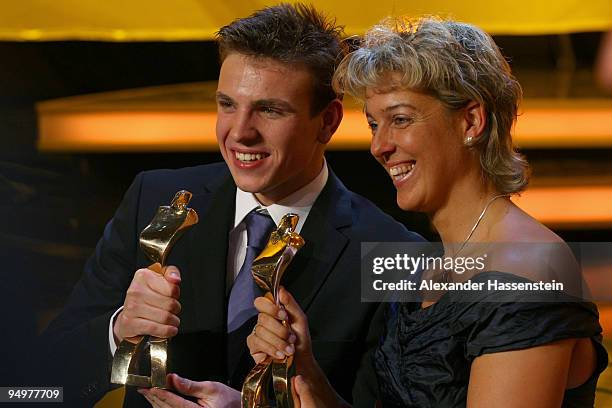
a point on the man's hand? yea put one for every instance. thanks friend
(209, 394)
(151, 305)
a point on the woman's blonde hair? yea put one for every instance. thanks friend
(454, 62)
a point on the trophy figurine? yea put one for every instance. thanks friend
(268, 269)
(156, 241)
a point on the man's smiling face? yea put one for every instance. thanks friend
(266, 130)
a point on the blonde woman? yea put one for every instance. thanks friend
(440, 101)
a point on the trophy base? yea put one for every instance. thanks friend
(130, 352)
(255, 388)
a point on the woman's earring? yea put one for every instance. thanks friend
(468, 141)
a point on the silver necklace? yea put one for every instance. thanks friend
(480, 217)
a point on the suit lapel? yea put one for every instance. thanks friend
(208, 246)
(324, 242)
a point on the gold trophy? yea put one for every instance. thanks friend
(156, 241)
(268, 269)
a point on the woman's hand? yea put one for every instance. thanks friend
(272, 338)
(303, 396)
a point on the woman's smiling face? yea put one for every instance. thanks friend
(419, 142)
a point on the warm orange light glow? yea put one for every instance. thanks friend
(155, 119)
(605, 319)
(128, 131)
(568, 206)
(567, 125)
(539, 126)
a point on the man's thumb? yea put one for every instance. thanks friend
(172, 274)
(198, 389)
(180, 384)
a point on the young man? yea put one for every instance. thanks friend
(276, 113)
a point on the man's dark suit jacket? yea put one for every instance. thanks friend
(324, 277)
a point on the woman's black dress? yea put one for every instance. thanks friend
(425, 357)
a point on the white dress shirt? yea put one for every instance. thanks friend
(300, 202)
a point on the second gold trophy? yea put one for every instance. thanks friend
(268, 269)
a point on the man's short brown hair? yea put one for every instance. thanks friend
(292, 34)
